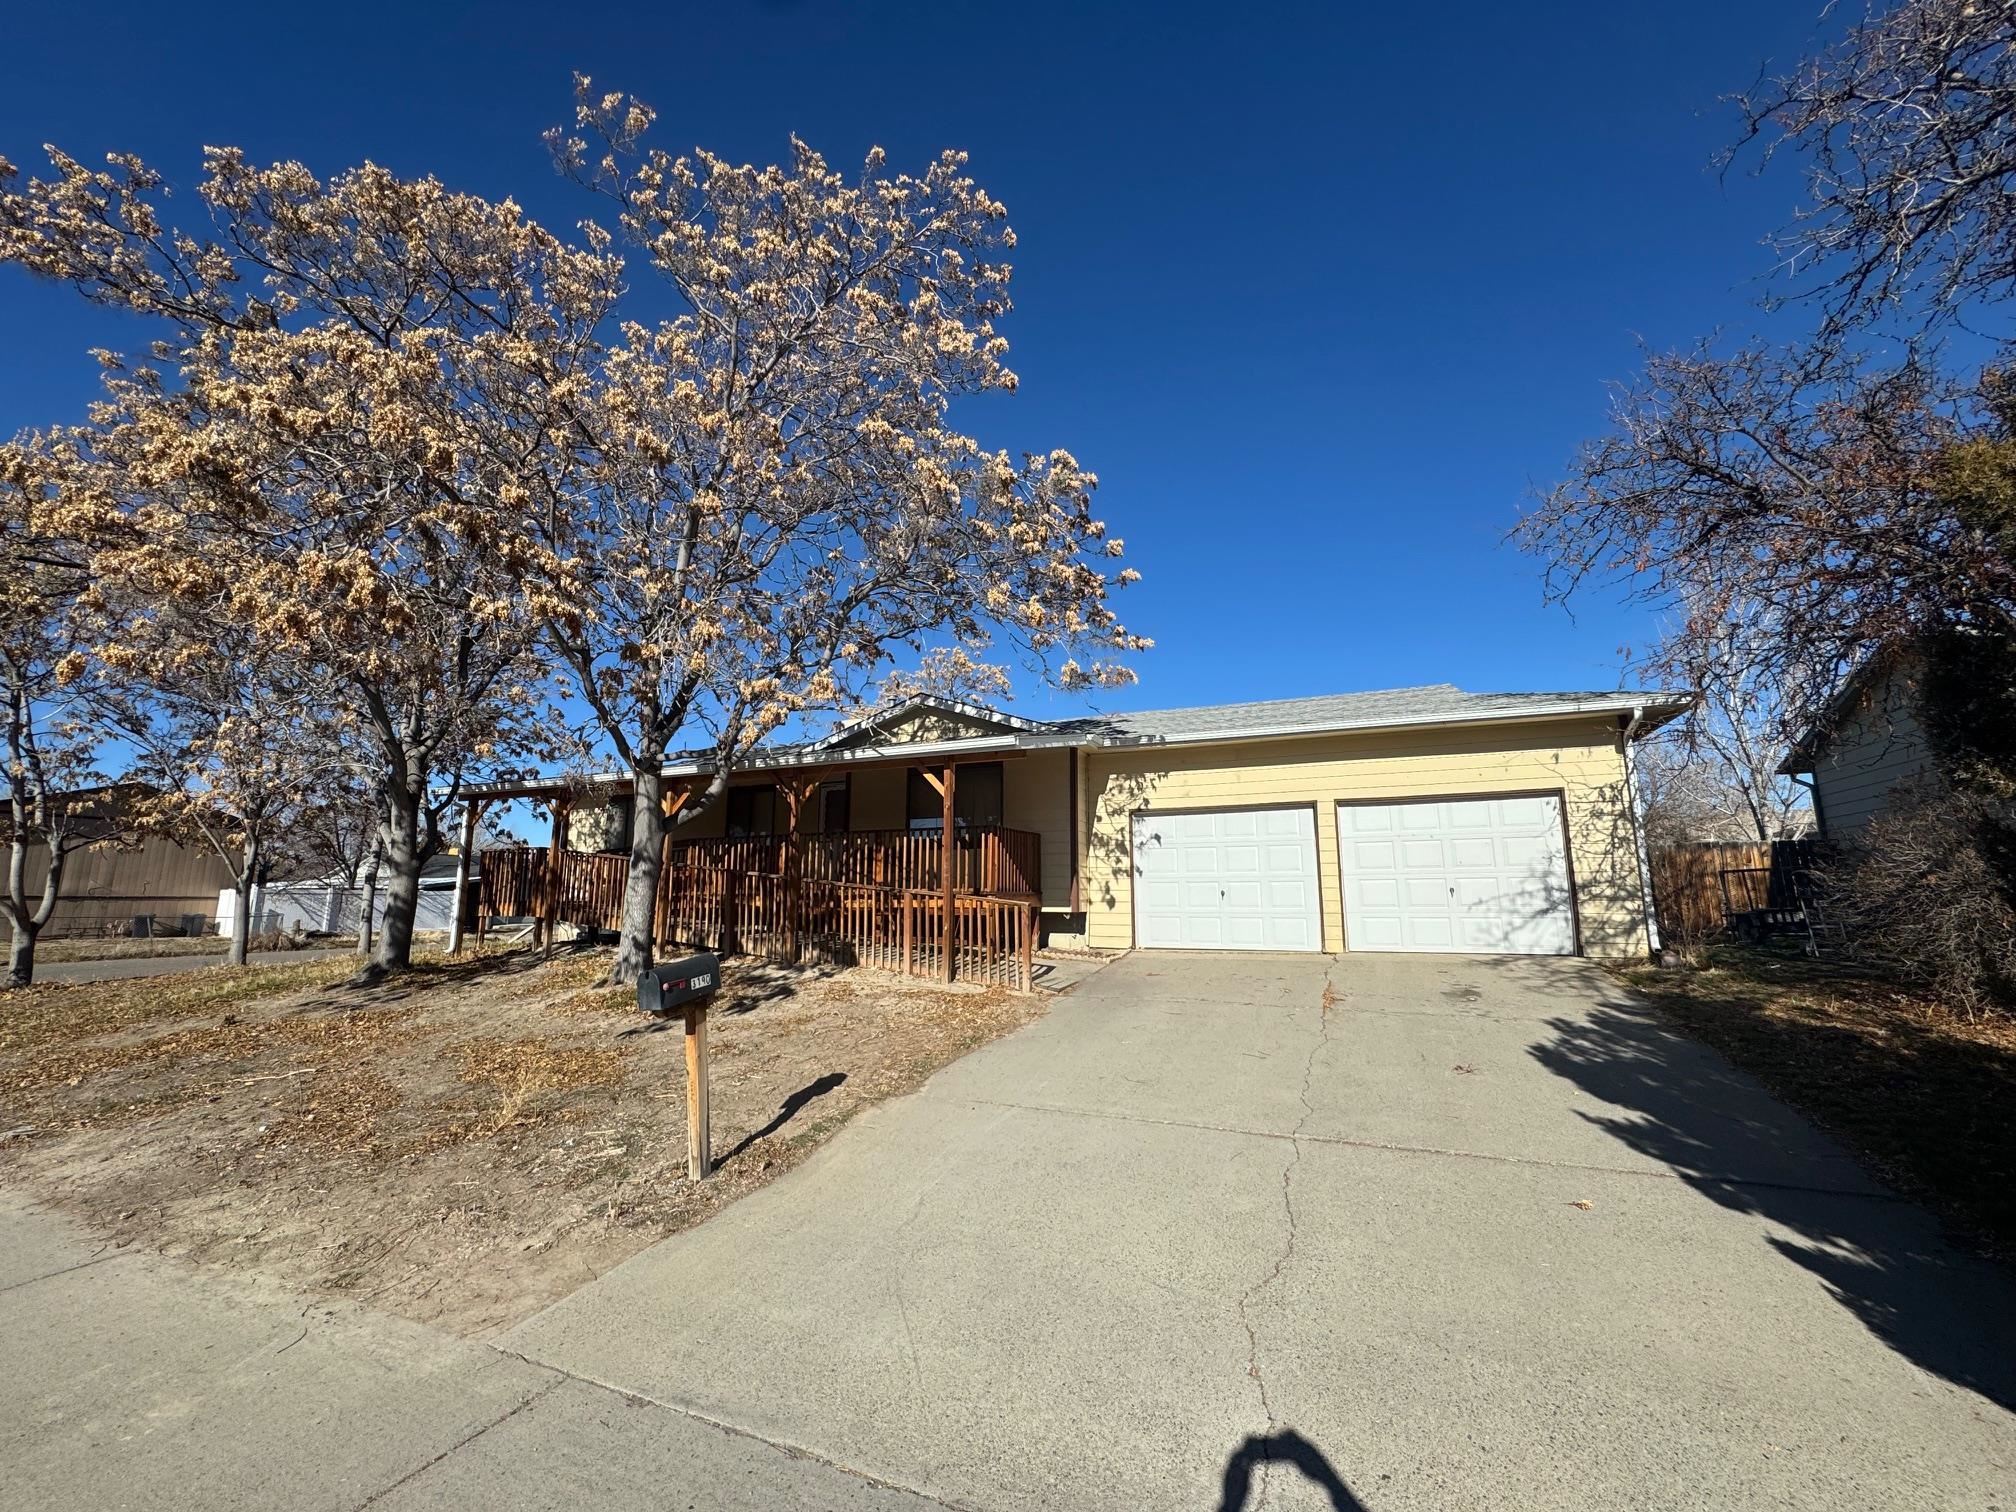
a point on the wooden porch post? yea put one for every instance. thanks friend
(945, 855)
(470, 809)
(792, 865)
(669, 805)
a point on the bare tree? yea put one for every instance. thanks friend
(1713, 775)
(1907, 128)
(1791, 515)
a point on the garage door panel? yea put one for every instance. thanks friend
(1429, 932)
(1377, 893)
(1378, 933)
(1526, 813)
(1247, 880)
(1425, 893)
(1480, 853)
(1483, 875)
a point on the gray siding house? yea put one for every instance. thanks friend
(1868, 743)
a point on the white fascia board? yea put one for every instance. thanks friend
(807, 757)
(1667, 704)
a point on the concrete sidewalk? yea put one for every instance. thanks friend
(132, 1383)
(125, 968)
(1478, 1235)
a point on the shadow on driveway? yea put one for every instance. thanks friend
(1881, 1258)
(1284, 1448)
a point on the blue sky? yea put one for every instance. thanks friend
(1318, 292)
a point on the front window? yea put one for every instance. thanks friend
(833, 808)
(976, 798)
(751, 811)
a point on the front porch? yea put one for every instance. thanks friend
(949, 898)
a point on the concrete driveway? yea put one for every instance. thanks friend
(1401, 1232)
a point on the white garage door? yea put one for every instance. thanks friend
(1486, 875)
(1243, 880)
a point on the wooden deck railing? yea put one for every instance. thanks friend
(987, 858)
(804, 919)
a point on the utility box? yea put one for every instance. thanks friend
(673, 985)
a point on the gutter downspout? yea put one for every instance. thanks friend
(1638, 833)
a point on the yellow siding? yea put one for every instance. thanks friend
(1036, 796)
(1581, 759)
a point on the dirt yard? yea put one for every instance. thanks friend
(462, 1145)
(1928, 1097)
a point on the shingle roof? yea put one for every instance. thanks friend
(1433, 703)
(1388, 708)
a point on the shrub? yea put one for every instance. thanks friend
(1925, 893)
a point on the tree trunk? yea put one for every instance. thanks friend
(28, 924)
(241, 918)
(21, 959)
(400, 850)
(640, 888)
(369, 909)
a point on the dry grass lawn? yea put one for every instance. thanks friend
(461, 1145)
(1924, 1095)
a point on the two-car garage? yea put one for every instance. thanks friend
(1473, 875)
(1414, 819)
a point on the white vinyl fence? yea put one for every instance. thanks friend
(311, 908)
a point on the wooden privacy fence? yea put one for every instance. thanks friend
(808, 920)
(1687, 884)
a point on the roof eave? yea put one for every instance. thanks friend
(1660, 707)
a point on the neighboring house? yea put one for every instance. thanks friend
(1416, 819)
(328, 905)
(123, 883)
(1867, 742)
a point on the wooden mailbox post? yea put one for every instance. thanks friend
(684, 987)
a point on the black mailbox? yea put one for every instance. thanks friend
(677, 983)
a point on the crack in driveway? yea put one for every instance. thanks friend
(1259, 1378)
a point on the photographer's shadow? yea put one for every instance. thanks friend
(1284, 1448)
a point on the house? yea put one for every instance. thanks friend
(1867, 743)
(1414, 819)
(122, 881)
(331, 905)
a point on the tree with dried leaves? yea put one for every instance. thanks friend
(227, 739)
(50, 733)
(777, 504)
(345, 444)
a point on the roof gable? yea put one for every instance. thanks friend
(922, 718)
